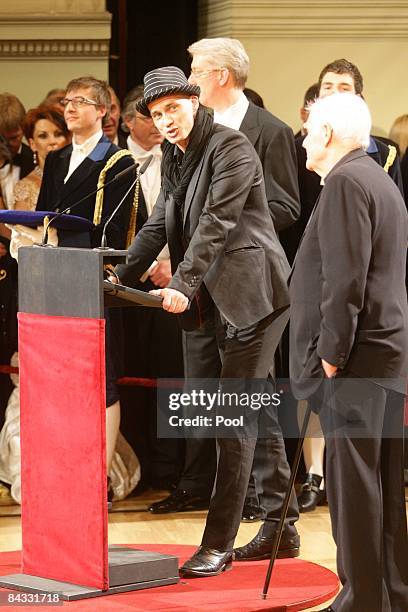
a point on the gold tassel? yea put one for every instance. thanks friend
(101, 182)
(133, 215)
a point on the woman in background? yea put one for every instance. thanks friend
(45, 130)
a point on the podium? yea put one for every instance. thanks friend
(63, 452)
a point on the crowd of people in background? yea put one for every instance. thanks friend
(220, 70)
(25, 140)
(80, 133)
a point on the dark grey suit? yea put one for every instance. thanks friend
(226, 247)
(349, 307)
(274, 143)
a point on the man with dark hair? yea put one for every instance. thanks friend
(311, 94)
(213, 211)
(342, 76)
(220, 68)
(342, 67)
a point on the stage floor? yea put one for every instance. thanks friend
(132, 523)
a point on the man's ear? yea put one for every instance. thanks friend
(328, 134)
(195, 103)
(102, 111)
(224, 76)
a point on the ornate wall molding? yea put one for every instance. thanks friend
(60, 50)
(318, 19)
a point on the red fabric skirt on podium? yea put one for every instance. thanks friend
(63, 472)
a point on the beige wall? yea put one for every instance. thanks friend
(45, 43)
(290, 41)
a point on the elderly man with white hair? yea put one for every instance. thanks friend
(349, 340)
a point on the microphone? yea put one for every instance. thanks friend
(117, 176)
(139, 172)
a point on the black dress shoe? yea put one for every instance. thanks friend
(251, 513)
(261, 547)
(179, 500)
(311, 495)
(207, 562)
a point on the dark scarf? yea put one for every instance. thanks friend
(176, 177)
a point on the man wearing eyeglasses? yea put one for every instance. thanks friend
(77, 170)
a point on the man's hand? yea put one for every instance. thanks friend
(329, 369)
(161, 273)
(173, 300)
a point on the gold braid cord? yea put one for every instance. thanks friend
(99, 196)
(391, 158)
(133, 214)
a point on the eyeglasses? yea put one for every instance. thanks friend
(77, 101)
(203, 74)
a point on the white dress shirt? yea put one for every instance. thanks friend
(150, 180)
(9, 175)
(234, 115)
(81, 151)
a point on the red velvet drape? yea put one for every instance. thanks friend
(64, 498)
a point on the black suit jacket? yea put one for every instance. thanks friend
(57, 195)
(310, 187)
(348, 298)
(226, 238)
(274, 142)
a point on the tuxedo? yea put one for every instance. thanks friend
(56, 195)
(225, 253)
(349, 307)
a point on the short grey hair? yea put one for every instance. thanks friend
(224, 53)
(347, 114)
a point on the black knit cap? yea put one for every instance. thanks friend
(164, 82)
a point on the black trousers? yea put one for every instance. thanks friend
(230, 353)
(363, 427)
(203, 350)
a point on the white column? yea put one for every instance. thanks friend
(45, 43)
(290, 41)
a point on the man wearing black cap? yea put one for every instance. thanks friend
(226, 259)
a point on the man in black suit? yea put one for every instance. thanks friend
(213, 213)
(74, 172)
(349, 328)
(220, 67)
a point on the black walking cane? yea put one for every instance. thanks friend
(285, 505)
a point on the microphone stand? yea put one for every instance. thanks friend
(44, 242)
(104, 243)
(139, 172)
